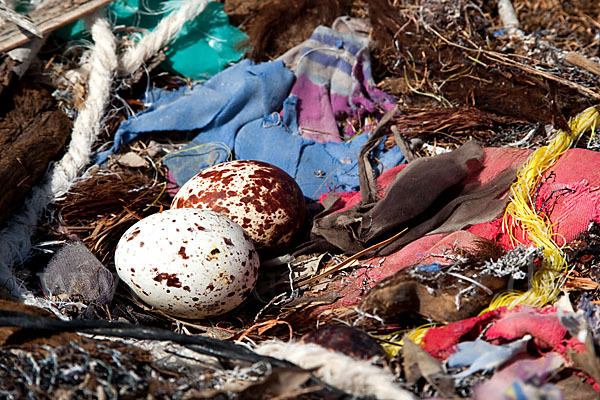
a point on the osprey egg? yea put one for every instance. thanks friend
(188, 262)
(261, 197)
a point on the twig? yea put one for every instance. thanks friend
(49, 16)
(349, 260)
(580, 61)
(22, 21)
(501, 59)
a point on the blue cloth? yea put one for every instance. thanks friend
(317, 167)
(429, 268)
(482, 356)
(219, 107)
(236, 114)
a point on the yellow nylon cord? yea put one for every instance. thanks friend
(392, 342)
(521, 210)
(536, 226)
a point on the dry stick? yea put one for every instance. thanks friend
(48, 16)
(22, 21)
(349, 260)
(580, 61)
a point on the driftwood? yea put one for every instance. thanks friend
(50, 15)
(21, 37)
(32, 132)
(16, 62)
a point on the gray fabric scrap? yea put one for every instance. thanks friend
(75, 271)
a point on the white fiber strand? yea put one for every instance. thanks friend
(100, 65)
(357, 377)
(152, 42)
(15, 238)
(88, 125)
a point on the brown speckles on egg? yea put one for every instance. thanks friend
(188, 272)
(133, 234)
(171, 280)
(260, 197)
(182, 253)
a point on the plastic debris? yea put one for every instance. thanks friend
(209, 37)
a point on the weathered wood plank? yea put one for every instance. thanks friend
(50, 15)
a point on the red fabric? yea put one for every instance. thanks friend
(506, 325)
(440, 342)
(419, 251)
(570, 212)
(543, 325)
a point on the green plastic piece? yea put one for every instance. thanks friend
(204, 46)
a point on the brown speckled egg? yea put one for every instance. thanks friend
(190, 263)
(261, 197)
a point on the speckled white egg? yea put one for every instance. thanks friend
(188, 262)
(261, 197)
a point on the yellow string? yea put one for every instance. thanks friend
(536, 226)
(521, 210)
(392, 342)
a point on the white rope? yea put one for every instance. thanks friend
(101, 64)
(167, 29)
(357, 377)
(15, 238)
(509, 18)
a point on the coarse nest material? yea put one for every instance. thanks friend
(444, 69)
(101, 208)
(447, 53)
(456, 79)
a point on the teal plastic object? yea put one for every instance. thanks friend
(204, 46)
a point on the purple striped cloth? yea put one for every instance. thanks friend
(334, 84)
